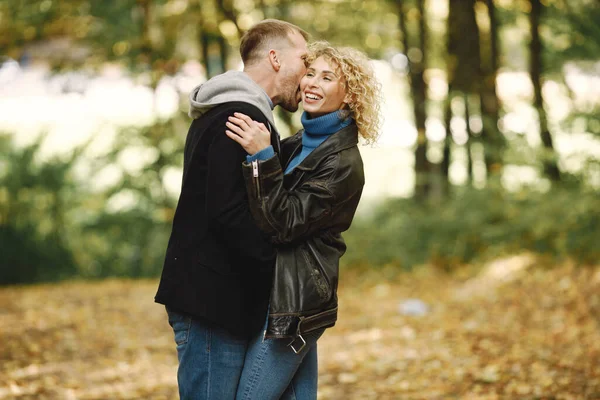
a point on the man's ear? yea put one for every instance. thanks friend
(274, 60)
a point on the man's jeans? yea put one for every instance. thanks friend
(210, 359)
(212, 363)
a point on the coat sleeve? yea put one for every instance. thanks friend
(227, 205)
(302, 212)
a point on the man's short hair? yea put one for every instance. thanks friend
(264, 33)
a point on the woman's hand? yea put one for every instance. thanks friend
(251, 135)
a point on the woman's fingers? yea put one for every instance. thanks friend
(239, 122)
(242, 120)
(251, 135)
(244, 117)
(246, 126)
(263, 127)
(236, 128)
(235, 137)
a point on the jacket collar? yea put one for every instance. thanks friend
(343, 139)
(275, 141)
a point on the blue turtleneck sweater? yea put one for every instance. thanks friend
(316, 130)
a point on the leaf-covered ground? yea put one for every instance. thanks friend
(513, 331)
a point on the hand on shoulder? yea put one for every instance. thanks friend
(251, 135)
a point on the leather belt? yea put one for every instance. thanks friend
(309, 324)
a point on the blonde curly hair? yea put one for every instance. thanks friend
(359, 82)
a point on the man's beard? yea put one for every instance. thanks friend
(291, 101)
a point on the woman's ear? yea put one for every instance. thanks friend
(348, 99)
(274, 60)
(346, 108)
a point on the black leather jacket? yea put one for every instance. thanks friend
(305, 212)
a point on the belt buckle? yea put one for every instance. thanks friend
(297, 351)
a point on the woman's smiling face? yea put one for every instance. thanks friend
(322, 88)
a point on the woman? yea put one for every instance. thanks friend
(305, 198)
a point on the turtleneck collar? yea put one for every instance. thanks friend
(316, 130)
(325, 124)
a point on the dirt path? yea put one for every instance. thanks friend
(514, 332)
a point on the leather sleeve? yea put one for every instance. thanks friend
(302, 212)
(226, 198)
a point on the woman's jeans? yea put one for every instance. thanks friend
(272, 370)
(215, 365)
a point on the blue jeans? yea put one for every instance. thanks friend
(210, 359)
(273, 371)
(215, 365)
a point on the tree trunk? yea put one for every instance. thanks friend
(490, 104)
(463, 63)
(417, 63)
(463, 46)
(419, 86)
(402, 25)
(146, 45)
(223, 53)
(469, 141)
(535, 71)
(204, 43)
(147, 49)
(203, 36)
(445, 166)
(228, 11)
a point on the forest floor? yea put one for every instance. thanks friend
(513, 330)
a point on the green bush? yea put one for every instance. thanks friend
(477, 224)
(55, 226)
(26, 257)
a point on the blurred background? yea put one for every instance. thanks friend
(472, 264)
(491, 141)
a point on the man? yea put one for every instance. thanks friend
(217, 274)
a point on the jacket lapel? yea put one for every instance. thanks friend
(341, 140)
(275, 141)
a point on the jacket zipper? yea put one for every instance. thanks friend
(256, 178)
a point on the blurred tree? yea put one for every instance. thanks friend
(463, 72)
(24, 23)
(572, 49)
(572, 33)
(414, 41)
(536, 68)
(492, 138)
(217, 23)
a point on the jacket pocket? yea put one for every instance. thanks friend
(317, 275)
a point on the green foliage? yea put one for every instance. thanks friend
(28, 257)
(124, 243)
(476, 224)
(574, 33)
(53, 226)
(157, 35)
(130, 240)
(34, 199)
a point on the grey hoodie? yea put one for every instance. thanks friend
(230, 86)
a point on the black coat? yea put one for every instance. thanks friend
(218, 264)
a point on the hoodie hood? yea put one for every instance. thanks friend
(230, 86)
